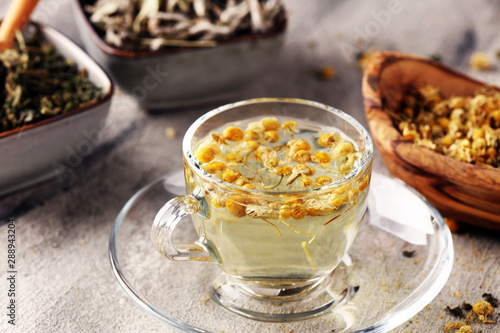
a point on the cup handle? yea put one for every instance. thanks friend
(166, 221)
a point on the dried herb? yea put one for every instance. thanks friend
(155, 24)
(437, 57)
(490, 299)
(456, 312)
(466, 128)
(408, 254)
(466, 306)
(39, 83)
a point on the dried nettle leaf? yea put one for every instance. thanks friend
(37, 83)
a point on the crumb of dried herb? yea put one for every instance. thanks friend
(170, 132)
(466, 306)
(437, 57)
(408, 254)
(456, 312)
(326, 73)
(490, 299)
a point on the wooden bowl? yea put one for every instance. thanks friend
(459, 190)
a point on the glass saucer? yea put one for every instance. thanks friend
(393, 279)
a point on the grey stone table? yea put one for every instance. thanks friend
(65, 283)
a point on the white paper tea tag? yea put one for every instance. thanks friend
(397, 210)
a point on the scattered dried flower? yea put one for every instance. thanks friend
(480, 61)
(170, 132)
(326, 73)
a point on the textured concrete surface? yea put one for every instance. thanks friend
(64, 281)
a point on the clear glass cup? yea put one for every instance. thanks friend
(272, 247)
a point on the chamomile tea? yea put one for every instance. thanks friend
(287, 203)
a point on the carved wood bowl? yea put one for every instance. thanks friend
(459, 190)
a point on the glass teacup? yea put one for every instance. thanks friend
(276, 243)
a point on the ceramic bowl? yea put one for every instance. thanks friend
(180, 76)
(459, 190)
(50, 147)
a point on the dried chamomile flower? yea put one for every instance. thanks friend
(304, 169)
(233, 133)
(246, 147)
(431, 95)
(483, 310)
(323, 180)
(236, 205)
(364, 184)
(270, 124)
(284, 171)
(321, 157)
(494, 119)
(478, 133)
(218, 138)
(306, 182)
(342, 150)
(205, 155)
(217, 203)
(285, 212)
(272, 162)
(297, 211)
(314, 211)
(290, 127)
(456, 102)
(263, 153)
(465, 329)
(297, 144)
(234, 158)
(251, 135)
(230, 175)
(338, 201)
(302, 156)
(453, 326)
(249, 186)
(300, 170)
(271, 136)
(480, 61)
(328, 139)
(214, 167)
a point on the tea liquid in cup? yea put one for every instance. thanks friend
(277, 190)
